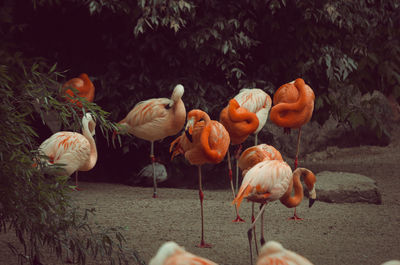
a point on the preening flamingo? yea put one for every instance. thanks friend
(273, 253)
(154, 119)
(170, 253)
(84, 86)
(293, 107)
(75, 151)
(204, 141)
(245, 114)
(271, 180)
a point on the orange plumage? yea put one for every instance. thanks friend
(204, 141)
(84, 86)
(209, 140)
(293, 105)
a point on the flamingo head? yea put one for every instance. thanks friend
(89, 121)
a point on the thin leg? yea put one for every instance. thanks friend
(76, 181)
(297, 149)
(238, 219)
(254, 230)
(295, 217)
(237, 155)
(249, 232)
(201, 196)
(262, 240)
(256, 139)
(154, 170)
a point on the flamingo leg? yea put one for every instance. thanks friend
(237, 166)
(249, 232)
(201, 196)
(76, 181)
(256, 139)
(238, 219)
(254, 230)
(154, 170)
(295, 217)
(262, 240)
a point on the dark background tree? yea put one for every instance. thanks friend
(135, 50)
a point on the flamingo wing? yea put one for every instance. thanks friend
(70, 150)
(266, 181)
(148, 111)
(187, 258)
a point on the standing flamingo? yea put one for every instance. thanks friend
(84, 86)
(274, 253)
(154, 119)
(171, 253)
(73, 151)
(293, 107)
(246, 113)
(204, 141)
(85, 89)
(271, 180)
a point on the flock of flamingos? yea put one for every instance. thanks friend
(267, 177)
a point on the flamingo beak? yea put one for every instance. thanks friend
(313, 197)
(311, 202)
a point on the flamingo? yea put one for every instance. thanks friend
(392, 262)
(270, 180)
(246, 113)
(170, 253)
(204, 141)
(274, 253)
(73, 151)
(84, 86)
(154, 119)
(85, 89)
(293, 107)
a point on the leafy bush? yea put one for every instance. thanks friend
(36, 207)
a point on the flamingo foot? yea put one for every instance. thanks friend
(155, 195)
(238, 220)
(295, 217)
(204, 245)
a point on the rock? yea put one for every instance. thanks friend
(344, 187)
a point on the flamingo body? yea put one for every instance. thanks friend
(156, 118)
(257, 101)
(273, 253)
(256, 154)
(77, 152)
(84, 86)
(264, 182)
(171, 253)
(293, 105)
(209, 140)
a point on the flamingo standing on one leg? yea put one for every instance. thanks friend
(154, 119)
(271, 180)
(274, 253)
(246, 113)
(85, 89)
(77, 152)
(171, 253)
(293, 107)
(204, 141)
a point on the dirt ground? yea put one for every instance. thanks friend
(330, 234)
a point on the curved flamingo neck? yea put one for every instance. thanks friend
(239, 114)
(292, 201)
(199, 115)
(87, 132)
